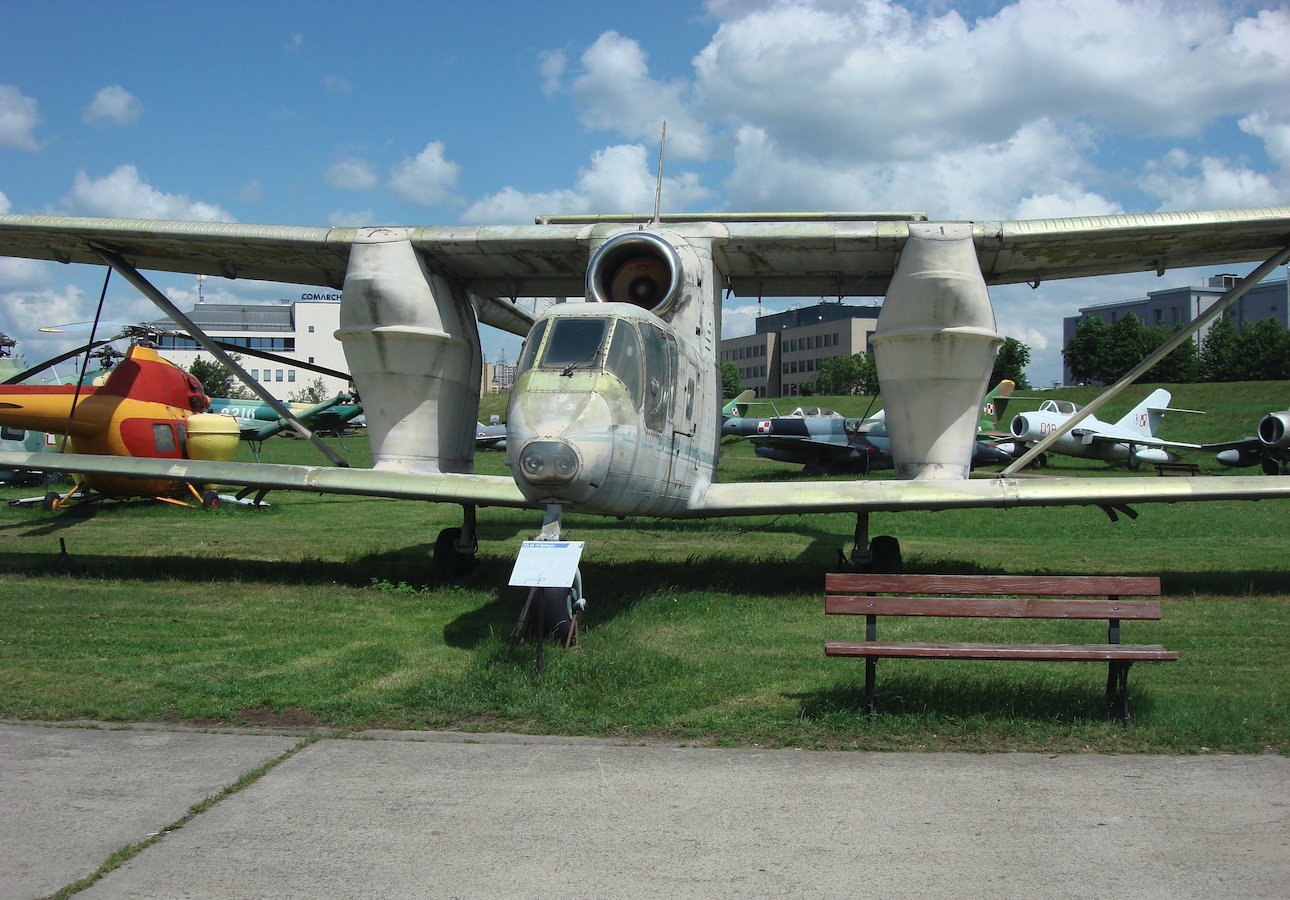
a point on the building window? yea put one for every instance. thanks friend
(785, 368)
(311, 329)
(291, 374)
(255, 374)
(835, 339)
(793, 368)
(311, 359)
(278, 373)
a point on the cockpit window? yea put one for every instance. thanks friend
(574, 343)
(531, 348)
(1065, 407)
(624, 358)
(657, 372)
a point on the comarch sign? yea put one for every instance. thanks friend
(325, 298)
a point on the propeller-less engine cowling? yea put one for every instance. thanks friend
(1274, 430)
(1022, 428)
(640, 268)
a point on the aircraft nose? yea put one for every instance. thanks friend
(548, 463)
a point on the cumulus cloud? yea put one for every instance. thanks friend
(1183, 181)
(551, 65)
(18, 118)
(618, 94)
(351, 174)
(4, 203)
(426, 179)
(361, 217)
(124, 194)
(112, 105)
(619, 179)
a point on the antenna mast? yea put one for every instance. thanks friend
(658, 187)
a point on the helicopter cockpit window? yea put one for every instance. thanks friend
(531, 348)
(574, 343)
(624, 358)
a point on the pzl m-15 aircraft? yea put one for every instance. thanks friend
(617, 400)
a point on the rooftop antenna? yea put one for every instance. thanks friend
(658, 186)
(201, 279)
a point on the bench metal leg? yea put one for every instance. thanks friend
(870, 663)
(1117, 688)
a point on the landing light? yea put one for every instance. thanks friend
(549, 462)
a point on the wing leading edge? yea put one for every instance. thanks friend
(717, 500)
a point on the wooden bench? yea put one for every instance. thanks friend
(1177, 468)
(1045, 597)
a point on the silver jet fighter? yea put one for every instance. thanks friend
(1269, 447)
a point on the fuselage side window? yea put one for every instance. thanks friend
(624, 358)
(657, 369)
(574, 342)
(163, 437)
(531, 345)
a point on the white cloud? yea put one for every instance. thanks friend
(251, 192)
(619, 94)
(24, 312)
(1275, 135)
(112, 105)
(551, 64)
(1182, 181)
(18, 118)
(16, 273)
(426, 179)
(123, 194)
(618, 180)
(339, 83)
(4, 203)
(351, 174)
(361, 217)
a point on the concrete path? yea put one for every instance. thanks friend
(430, 815)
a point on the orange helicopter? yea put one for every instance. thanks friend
(147, 407)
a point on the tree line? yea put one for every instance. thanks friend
(1099, 353)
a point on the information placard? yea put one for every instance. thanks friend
(546, 564)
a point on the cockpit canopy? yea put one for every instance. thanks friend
(638, 353)
(1065, 407)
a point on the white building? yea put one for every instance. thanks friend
(302, 330)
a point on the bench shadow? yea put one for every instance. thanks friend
(994, 697)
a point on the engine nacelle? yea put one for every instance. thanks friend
(1274, 430)
(637, 267)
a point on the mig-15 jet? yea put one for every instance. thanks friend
(1269, 447)
(617, 400)
(1132, 439)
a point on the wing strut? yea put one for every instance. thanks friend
(145, 287)
(1223, 302)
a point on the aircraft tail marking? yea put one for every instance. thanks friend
(1145, 418)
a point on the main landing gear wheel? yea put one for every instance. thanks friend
(1134, 463)
(886, 556)
(558, 612)
(50, 501)
(1039, 461)
(1270, 465)
(210, 499)
(449, 563)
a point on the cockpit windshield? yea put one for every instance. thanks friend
(574, 343)
(1065, 407)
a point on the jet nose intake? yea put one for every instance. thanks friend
(548, 462)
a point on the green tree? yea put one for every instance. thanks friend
(1084, 352)
(847, 375)
(1010, 363)
(312, 392)
(1218, 360)
(1127, 345)
(1182, 366)
(731, 382)
(1261, 351)
(869, 375)
(217, 381)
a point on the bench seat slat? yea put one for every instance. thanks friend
(1055, 585)
(992, 607)
(1076, 652)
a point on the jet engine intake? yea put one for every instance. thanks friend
(1274, 430)
(639, 268)
(1021, 428)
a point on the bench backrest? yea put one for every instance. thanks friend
(1101, 596)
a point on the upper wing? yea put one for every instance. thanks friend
(812, 254)
(478, 490)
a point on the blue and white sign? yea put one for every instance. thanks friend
(546, 564)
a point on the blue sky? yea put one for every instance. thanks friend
(330, 113)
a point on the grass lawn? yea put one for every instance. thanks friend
(317, 610)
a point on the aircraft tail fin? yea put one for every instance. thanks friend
(995, 403)
(739, 405)
(1145, 418)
